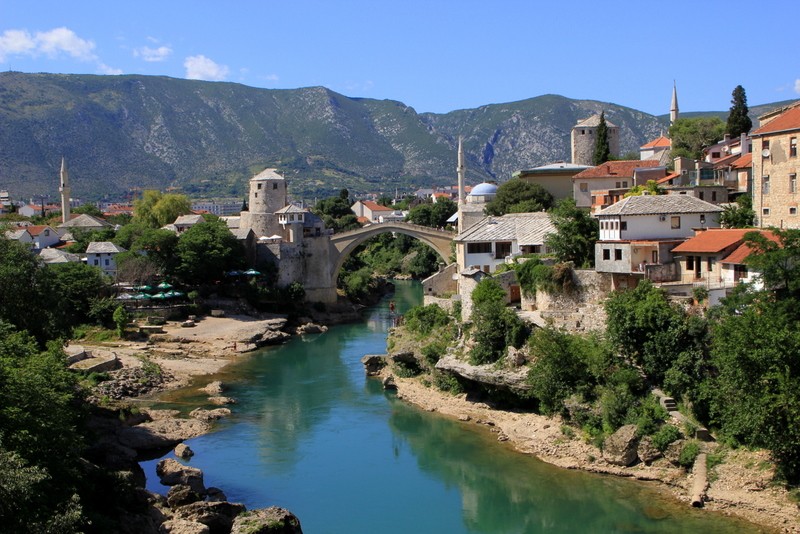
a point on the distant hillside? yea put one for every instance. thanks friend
(122, 133)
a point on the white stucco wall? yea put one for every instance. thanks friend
(652, 226)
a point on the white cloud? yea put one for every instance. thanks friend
(105, 69)
(797, 86)
(52, 43)
(270, 77)
(64, 40)
(16, 42)
(153, 54)
(202, 68)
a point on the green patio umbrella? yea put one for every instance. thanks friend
(159, 296)
(164, 285)
(252, 272)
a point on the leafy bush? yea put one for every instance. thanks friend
(447, 382)
(664, 436)
(433, 352)
(424, 319)
(650, 416)
(688, 454)
(406, 370)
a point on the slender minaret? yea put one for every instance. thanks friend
(461, 171)
(673, 109)
(64, 189)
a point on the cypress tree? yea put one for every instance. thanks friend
(738, 121)
(602, 150)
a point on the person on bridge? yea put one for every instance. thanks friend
(391, 306)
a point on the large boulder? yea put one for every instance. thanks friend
(620, 448)
(220, 400)
(181, 526)
(181, 495)
(647, 451)
(183, 451)
(373, 363)
(272, 520)
(217, 516)
(171, 473)
(161, 433)
(214, 388)
(209, 415)
(515, 379)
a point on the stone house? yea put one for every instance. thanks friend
(657, 150)
(44, 236)
(584, 135)
(715, 259)
(556, 178)
(622, 174)
(493, 240)
(370, 210)
(638, 233)
(775, 166)
(83, 222)
(101, 254)
(21, 235)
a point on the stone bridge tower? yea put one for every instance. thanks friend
(267, 197)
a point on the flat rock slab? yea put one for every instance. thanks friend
(161, 433)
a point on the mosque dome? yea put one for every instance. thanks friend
(484, 189)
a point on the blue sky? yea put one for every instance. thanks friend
(432, 55)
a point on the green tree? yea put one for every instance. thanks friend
(155, 209)
(690, 136)
(519, 196)
(206, 251)
(557, 369)
(27, 293)
(738, 215)
(650, 188)
(575, 236)
(495, 326)
(602, 148)
(76, 285)
(84, 237)
(121, 320)
(336, 213)
(159, 245)
(433, 214)
(38, 436)
(738, 120)
(778, 260)
(755, 391)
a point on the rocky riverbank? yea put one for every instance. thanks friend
(741, 486)
(125, 433)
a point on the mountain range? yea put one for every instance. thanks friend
(121, 134)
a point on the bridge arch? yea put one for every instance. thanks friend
(346, 242)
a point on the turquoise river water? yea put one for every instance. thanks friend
(312, 434)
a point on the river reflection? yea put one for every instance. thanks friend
(312, 434)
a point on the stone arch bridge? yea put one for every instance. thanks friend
(344, 243)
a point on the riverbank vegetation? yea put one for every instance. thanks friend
(734, 368)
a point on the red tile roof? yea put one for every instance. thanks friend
(374, 206)
(616, 169)
(743, 251)
(713, 240)
(37, 229)
(788, 120)
(667, 178)
(744, 161)
(659, 142)
(724, 162)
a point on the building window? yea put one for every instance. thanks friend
(96, 261)
(107, 262)
(259, 185)
(502, 249)
(675, 222)
(606, 254)
(765, 212)
(583, 132)
(619, 185)
(275, 185)
(255, 195)
(713, 196)
(715, 155)
(584, 187)
(709, 264)
(624, 183)
(793, 211)
(793, 183)
(765, 185)
(479, 248)
(702, 195)
(623, 225)
(618, 254)
(690, 263)
(793, 147)
(764, 145)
